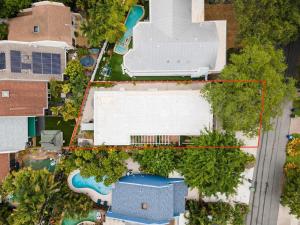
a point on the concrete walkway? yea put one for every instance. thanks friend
(268, 174)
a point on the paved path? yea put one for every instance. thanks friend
(268, 174)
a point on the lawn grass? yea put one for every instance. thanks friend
(115, 63)
(116, 69)
(57, 123)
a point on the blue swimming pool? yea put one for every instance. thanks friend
(87, 61)
(80, 182)
(136, 13)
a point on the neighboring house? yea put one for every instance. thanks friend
(148, 199)
(4, 166)
(176, 42)
(45, 21)
(20, 103)
(32, 61)
(51, 140)
(149, 116)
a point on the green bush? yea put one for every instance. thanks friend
(212, 213)
(3, 31)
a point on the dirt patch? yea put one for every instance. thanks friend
(224, 12)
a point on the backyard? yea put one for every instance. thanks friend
(57, 123)
(114, 63)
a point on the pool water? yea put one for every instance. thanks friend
(80, 182)
(136, 13)
(92, 217)
(48, 164)
(87, 61)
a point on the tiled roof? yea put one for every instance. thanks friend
(54, 21)
(157, 194)
(4, 166)
(24, 98)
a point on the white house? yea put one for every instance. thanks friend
(177, 42)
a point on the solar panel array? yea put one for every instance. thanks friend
(15, 61)
(42, 63)
(2, 61)
(46, 63)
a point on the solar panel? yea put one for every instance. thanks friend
(46, 61)
(15, 61)
(2, 61)
(37, 62)
(56, 66)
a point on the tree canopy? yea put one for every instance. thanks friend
(39, 195)
(214, 170)
(291, 191)
(10, 8)
(277, 21)
(76, 86)
(238, 105)
(31, 189)
(105, 20)
(221, 213)
(105, 165)
(157, 161)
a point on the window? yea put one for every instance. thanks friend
(36, 29)
(2, 61)
(144, 205)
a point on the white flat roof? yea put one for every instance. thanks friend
(13, 133)
(171, 43)
(120, 114)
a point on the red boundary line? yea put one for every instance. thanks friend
(128, 147)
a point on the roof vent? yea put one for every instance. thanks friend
(5, 94)
(144, 205)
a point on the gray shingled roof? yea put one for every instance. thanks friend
(164, 197)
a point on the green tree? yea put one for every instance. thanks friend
(157, 161)
(105, 165)
(291, 191)
(105, 20)
(277, 21)
(40, 195)
(214, 170)
(31, 189)
(55, 88)
(221, 213)
(5, 211)
(238, 104)
(10, 8)
(78, 82)
(3, 31)
(68, 204)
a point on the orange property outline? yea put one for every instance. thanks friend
(129, 147)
